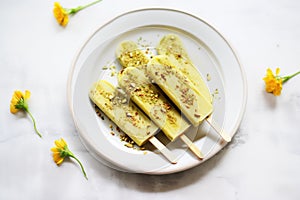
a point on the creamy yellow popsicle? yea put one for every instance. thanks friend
(179, 89)
(152, 101)
(172, 47)
(122, 112)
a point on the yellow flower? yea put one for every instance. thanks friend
(60, 147)
(19, 103)
(62, 14)
(61, 151)
(274, 82)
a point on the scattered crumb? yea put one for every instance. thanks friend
(110, 67)
(216, 91)
(113, 73)
(208, 77)
(129, 145)
(215, 94)
(98, 112)
(143, 42)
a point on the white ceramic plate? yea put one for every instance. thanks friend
(208, 50)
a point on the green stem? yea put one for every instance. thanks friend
(286, 78)
(34, 123)
(75, 10)
(81, 166)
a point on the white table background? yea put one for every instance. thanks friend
(262, 161)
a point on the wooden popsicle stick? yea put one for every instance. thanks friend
(192, 146)
(216, 127)
(163, 149)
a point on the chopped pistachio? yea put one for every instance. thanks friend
(208, 77)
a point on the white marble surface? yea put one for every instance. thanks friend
(262, 161)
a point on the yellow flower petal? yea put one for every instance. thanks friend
(27, 94)
(13, 109)
(18, 94)
(277, 71)
(269, 72)
(54, 150)
(56, 154)
(57, 159)
(61, 144)
(15, 99)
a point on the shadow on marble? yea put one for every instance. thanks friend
(269, 99)
(239, 139)
(169, 182)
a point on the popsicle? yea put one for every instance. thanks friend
(129, 118)
(172, 47)
(194, 105)
(153, 102)
(180, 90)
